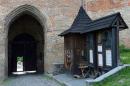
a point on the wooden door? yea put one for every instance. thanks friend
(68, 53)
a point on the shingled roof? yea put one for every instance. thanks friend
(84, 24)
(104, 23)
(81, 19)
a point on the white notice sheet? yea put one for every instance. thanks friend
(108, 58)
(99, 48)
(100, 60)
(91, 56)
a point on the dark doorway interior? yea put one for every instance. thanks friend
(26, 41)
(24, 46)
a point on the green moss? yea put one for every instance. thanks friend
(47, 77)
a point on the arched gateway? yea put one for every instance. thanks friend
(26, 30)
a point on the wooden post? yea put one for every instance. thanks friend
(117, 44)
(114, 47)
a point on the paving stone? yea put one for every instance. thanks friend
(69, 80)
(30, 80)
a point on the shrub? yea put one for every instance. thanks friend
(123, 48)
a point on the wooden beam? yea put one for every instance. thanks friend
(118, 24)
(117, 44)
(114, 47)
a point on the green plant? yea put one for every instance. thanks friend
(123, 48)
(20, 59)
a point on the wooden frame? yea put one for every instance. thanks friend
(105, 44)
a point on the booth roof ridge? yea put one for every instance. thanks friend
(83, 23)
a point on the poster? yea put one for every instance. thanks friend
(91, 56)
(100, 60)
(99, 48)
(108, 58)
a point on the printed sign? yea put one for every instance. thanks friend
(91, 56)
(100, 60)
(108, 58)
(100, 48)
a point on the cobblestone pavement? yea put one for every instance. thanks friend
(30, 80)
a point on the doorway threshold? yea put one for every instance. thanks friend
(23, 72)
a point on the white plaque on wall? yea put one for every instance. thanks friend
(108, 58)
(91, 56)
(99, 48)
(100, 60)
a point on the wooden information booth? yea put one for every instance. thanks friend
(92, 43)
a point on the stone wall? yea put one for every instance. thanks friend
(100, 8)
(59, 15)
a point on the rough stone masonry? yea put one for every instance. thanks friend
(59, 15)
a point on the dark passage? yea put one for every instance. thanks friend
(25, 44)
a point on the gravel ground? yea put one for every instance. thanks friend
(30, 80)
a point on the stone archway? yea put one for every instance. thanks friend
(38, 31)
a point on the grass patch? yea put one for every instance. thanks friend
(121, 78)
(125, 56)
